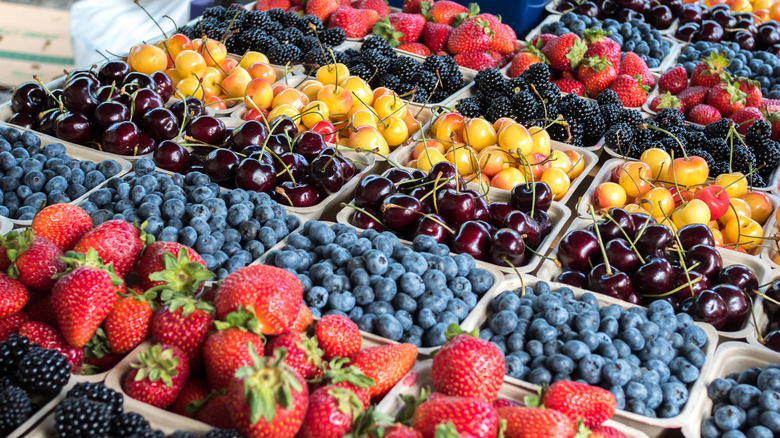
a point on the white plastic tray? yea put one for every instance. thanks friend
(5, 226)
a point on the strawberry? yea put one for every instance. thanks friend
(398, 28)
(386, 364)
(504, 41)
(39, 308)
(158, 375)
(303, 353)
(501, 402)
(605, 432)
(5, 242)
(265, 5)
(632, 65)
(337, 336)
(97, 353)
(470, 416)
(216, 411)
(13, 296)
(522, 60)
(174, 265)
(467, 366)
(226, 350)
(541, 40)
(745, 117)
(630, 90)
(448, 12)
(472, 36)
(331, 413)
(565, 52)
(523, 422)
(703, 114)
(62, 224)
(321, 8)
(127, 325)
(674, 80)
(412, 6)
(710, 71)
(772, 115)
(48, 337)
(662, 101)
(601, 46)
(752, 90)
(268, 398)
(83, 296)
(273, 294)
(10, 324)
(435, 35)
(380, 6)
(185, 323)
(348, 377)
(570, 86)
(592, 404)
(596, 74)
(356, 23)
(415, 48)
(401, 431)
(726, 98)
(692, 96)
(196, 392)
(35, 260)
(117, 242)
(475, 60)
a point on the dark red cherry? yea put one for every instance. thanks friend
(525, 225)
(498, 212)
(207, 129)
(48, 122)
(254, 175)
(473, 239)
(309, 144)
(653, 239)
(576, 248)
(402, 178)
(300, 195)
(250, 132)
(221, 165)
(588, 9)
(163, 85)
(171, 156)
(365, 219)
(433, 225)
(80, 96)
(456, 207)
(120, 138)
(28, 98)
(740, 276)
(661, 17)
(545, 224)
(526, 197)
(573, 278)
(108, 113)
(290, 166)
(145, 100)
(691, 14)
(622, 256)
(443, 176)
(284, 125)
(160, 124)
(687, 32)
(709, 307)
(25, 120)
(737, 306)
(372, 190)
(706, 259)
(508, 248)
(73, 127)
(113, 72)
(134, 81)
(711, 31)
(400, 212)
(188, 109)
(697, 284)
(695, 234)
(325, 173)
(655, 277)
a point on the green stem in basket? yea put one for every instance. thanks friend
(344, 204)
(520, 276)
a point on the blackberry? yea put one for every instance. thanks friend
(291, 20)
(100, 393)
(405, 68)
(631, 117)
(148, 434)
(717, 148)
(420, 95)
(273, 26)
(758, 134)
(452, 81)
(375, 61)
(538, 73)
(333, 36)
(491, 82)
(703, 154)
(593, 128)
(340, 57)
(549, 94)
(215, 12)
(610, 113)
(608, 97)
(433, 63)
(427, 80)
(439, 96)
(619, 138)
(307, 43)
(563, 131)
(256, 20)
(673, 147)
(669, 118)
(517, 84)
(315, 57)
(43, 371)
(284, 54)
(276, 14)
(720, 167)
(289, 35)
(388, 80)
(12, 350)
(362, 72)
(756, 180)
(353, 55)
(248, 39)
(128, 424)
(188, 31)
(80, 417)
(500, 107)
(469, 107)
(222, 433)
(264, 43)
(15, 409)
(307, 21)
(5, 382)
(645, 135)
(719, 129)
(694, 128)
(404, 90)
(637, 149)
(376, 42)
(769, 155)
(526, 107)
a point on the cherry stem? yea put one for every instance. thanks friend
(446, 227)
(646, 126)
(137, 3)
(608, 216)
(739, 179)
(677, 289)
(371, 151)
(601, 242)
(519, 275)
(364, 211)
(537, 253)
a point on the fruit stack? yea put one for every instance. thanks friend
(719, 23)
(661, 15)
(768, 332)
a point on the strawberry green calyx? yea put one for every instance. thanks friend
(463, 16)
(336, 372)
(407, 416)
(535, 400)
(148, 239)
(735, 94)
(347, 401)
(447, 430)
(716, 65)
(268, 381)
(638, 79)
(388, 32)
(194, 406)
(156, 364)
(582, 430)
(576, 53)
(311, 349)
(597, 64)
(16, 243)
(485, 25)
(668, 100)
(188, 304)
(425, 10)
(536, 51)
(243, 319)
(96, 348)
(181, 274)
(455, 330)
(91, 259)
(595, 34)
(370, 424)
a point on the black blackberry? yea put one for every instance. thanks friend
(758, 133)
(611, 113)
(43, 371)
(215, 12)
(517, 84)
(15, 409)
(491, 82)
(306, 23)
(333, 36)
(719, 129)
(439, 96)
(291, 20)
(577, 131)
(263, 43)
(637, 149)
(273, 26)
(340, 57)
(362, 72)
(526, 107)
(81, 417)
(500, 107)
(182, 434)
(469, 107)
(452, 81)
(315, 57)
(405, 68)
(5, 382)
(630, 117)
(128, 424)
(148, 434)
(669, 118)
(420, 95)
(284, 54)
(427, 80)
(717, 148)
(673, 147)
(100, 393)
(756, 180)
(353, 55)
(223, 433)
(276, 14)
(376, 62)
(720, 167)
(698, 152)
(645, 135)
(769, 155)
(308, 42)
(694, 128)
(619, 138)
(434, 63)
(404, 90)
(549, 94)
(593, 128)
(388, 80)
(376, 42)
(538, 73)
(256, 20)
(608, 97)
(250, 39)
(12, 350)
(289, 35)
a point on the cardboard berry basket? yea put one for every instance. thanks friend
(76, 152)
(419, 378)
(549, 271)
(761, 324)
(730, 357)
(651, 426)
(5, 225)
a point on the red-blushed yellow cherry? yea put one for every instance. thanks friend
(609, 194)
(501, 122)
(226, 66)
(480, 179)
(235, 83)
(537, 162)
(282, 110)
(260, 93)
(658, 160)
(515, 139)
(634, 177)
(147, 58)
(339, 101)
(578, 163)
(279, 87)
(657, 202)
(251, 57)
(717, 236)
(394, 130)
(540, 140)
(634, 208)
(362, 118)
(760, 205)
(739, 206)
(381, 91)
(388, 105)
(421, 146)
(449, 128)
(744, 232)
(261, 70)
(310, 88)
(215, 103)
(175, 78)
(493, 159)
(174, 45)
(332, 74)
(212, 79)
(558, 181)
(688, 172)
(190, 87)
(734, 189)
(428, 158)
(314, 112)
(359, 89)
(559, 160)
(368, 138)
(507, 179)
(464, 158)
(213, 51)
(695, 211)
(479, 133)
(292, 97)
(412, 123)
(190, 63)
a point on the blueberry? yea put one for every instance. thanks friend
(576, 349)
(436, 301)
(748, 376)
(465, 263)
(675, 394)
(617, 373)
(561, 364)
(539, 376)
(718, 390)
(267, 236)
(343, 301)
(412, 284)
(316, 297)
(729, 417)
(423, 243)
(458, 308)
(376, 262)
(321, 234)
(434, 280)
(534, 348)
(769, 378)
(332, 282)
(414, 263)
(556, 317)
(205, 244)
(755, 432)
(481, 281)
(236, 214)
(515, 368)
(435, 335)
(144, 166)
(388, 327)
(425, 318)
(405, 302)
(91, 180)
(385, 289)
(744, 395)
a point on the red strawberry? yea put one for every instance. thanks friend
(596, 74)
(331, 413)
(265, 5)
(524, 59)
(13, 296)
(304, 319)
(97, 353)
(703, 114)
(175, 265)
(570, 86)
(605, 432)
(772, 115)
(522, 422)
(83, 296)
(752, 90)
(127, 325)
(592, 404)
(185, 323)
(303, 353)
(501, 402)
(470, 416)
(39, 308)
(505, 39)
(472, 36)
(273, 294)
(412, 6)
(35, 260)
(541, 40)
(356, 23)
(467, 366)
(565, 52)
(48, 337)
(226, 350)
(601, 46)
(448, 12)
(399, 27)
(348, 377)
(435, 35)
(401, 431)
(62, 224)
(632, 65)
(321, 8)
(674, 80)
(710, 71)
(264, 410)
(475, 60)
(662, 101)
(416, 48)
(630, 90)
(692, 96)
(380, 6)
(727, 98)
(216, 411)
(10, 324)
(117, 242)
(745, 117)
(337, 336)
(386, 364)
(158, 375)
(194, 392)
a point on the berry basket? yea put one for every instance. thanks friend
(419, 378)
(648, 425)
(549, 271)
(771, 247)
(45, 411)
(5, 225)
(550, 7)
(730, 357)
